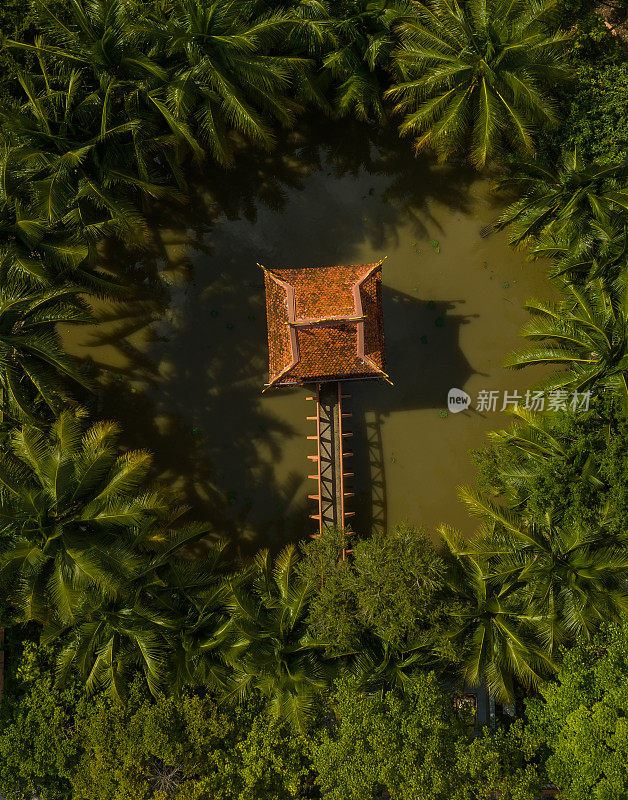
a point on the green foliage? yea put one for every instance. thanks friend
(96, 560)
(572, 466)
(592, 103)
(37, 749)
(389, 588)
(360, 57)
(589, 37)
(412, 746)
(60, 745)
(33, 365)
(549, 560)
(595, 120)
(16, 22)
(579, 722)
(585, 334)
(473, 76)
(381, 610)
(568, 201)
(266, 641)
(115, 99)
(497, 642)
(497, 763)
(185, 749)
(401, 745)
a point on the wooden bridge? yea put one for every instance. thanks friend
(325, 328)
(331, 458)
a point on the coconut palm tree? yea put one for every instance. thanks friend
(192, 592)
(31, 249)
(524, 450)
(226, 75)
(153, 623)
(359, 59)
(473, 76)
(497, 641)
(268, 646)
(570, 580)
(378, 666)
(33, 365)
(96, 557)
(578, 258)
(586, 334)
(101, 41)
(71, 512)
(85, 166)
(310, 23)
(114, 639)
(98, 36)
(571, 202)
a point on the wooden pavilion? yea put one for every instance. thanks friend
(325, 327)
(324, 324)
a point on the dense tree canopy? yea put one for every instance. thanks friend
(579, 721)
(301, 673)
(413, 746)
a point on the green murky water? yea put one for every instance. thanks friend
(183, 359)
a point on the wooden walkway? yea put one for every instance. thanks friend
(331, 457)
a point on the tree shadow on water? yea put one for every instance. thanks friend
(183, 357)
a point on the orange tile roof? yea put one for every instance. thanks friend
(324, 323)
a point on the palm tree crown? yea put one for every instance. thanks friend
(571, 201)
(497, 641)
(569, 580)
(586, 333)
(70, 512)
(270, 648)
(473, 75)
(225, 76)
(33, 364)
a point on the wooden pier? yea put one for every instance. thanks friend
(331, 457)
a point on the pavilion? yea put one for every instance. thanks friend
(324, 324)
(325, 327)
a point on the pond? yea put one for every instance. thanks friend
(183, 358)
